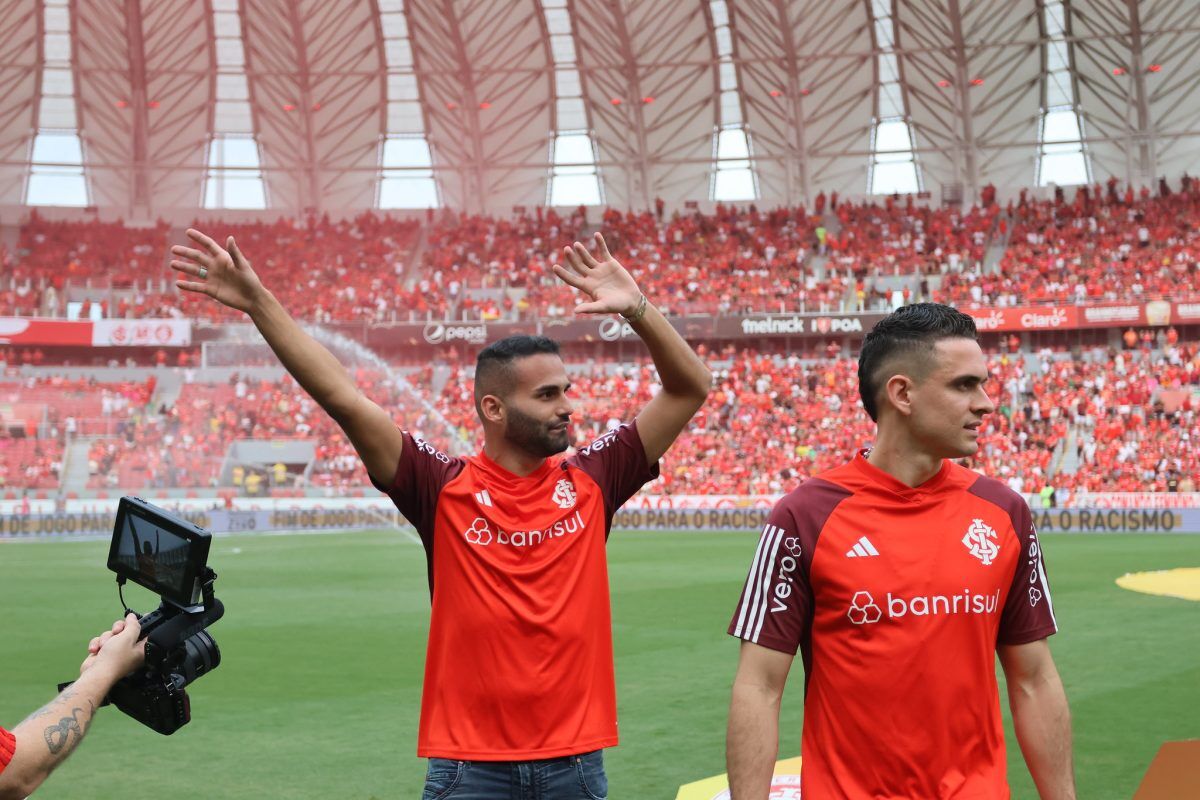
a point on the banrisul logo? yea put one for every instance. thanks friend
(941, 604)
(864, 609)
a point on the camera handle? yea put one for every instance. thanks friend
(183, 626)
(62, 687)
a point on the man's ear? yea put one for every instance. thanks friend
(491, 408)
(898, 390)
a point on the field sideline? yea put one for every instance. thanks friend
(323, 640)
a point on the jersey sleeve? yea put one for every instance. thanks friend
(422, 472)
(617, 463)
(1029, 612)
(775, 608)
(8, 746)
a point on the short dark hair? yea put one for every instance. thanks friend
(909, 330)
(493, 365)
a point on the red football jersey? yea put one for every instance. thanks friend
(8, 746)
(519, 664)
(896, 598)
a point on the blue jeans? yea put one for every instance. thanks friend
(567, 778)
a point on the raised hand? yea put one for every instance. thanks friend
(601, 277)
(223, 274)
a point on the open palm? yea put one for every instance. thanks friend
(223, 274)
(601, 277)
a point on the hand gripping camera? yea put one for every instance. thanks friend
(168, 556)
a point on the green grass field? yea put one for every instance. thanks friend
(323, 640)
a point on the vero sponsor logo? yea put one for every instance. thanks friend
(787, 574)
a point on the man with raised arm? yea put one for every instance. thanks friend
(900, 577)
(519, 693)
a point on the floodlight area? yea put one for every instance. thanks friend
(735, 184)
(234, 177)
(407, 180)
(408, 191)
(574, 177)
(394, 106)
(48, 187)
(406, 176)
(893, 165)
(574, 190)
(893, 162)
(56, 175)
(733, 178)
(1062, 154)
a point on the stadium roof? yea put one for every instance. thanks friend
(485, 103)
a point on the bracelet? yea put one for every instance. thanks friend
(638, 312)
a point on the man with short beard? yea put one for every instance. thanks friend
(519, 695)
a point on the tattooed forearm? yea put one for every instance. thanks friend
(58, 737)
(66, 696)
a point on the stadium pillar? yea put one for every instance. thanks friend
(1142, 148)
(965, 135)
(311, 199)
(139, 183)
(797, 150)
(637, 182)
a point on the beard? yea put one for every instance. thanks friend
(534, 436)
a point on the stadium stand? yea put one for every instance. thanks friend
(1092, 420)
(1104, 245)
(1101, 420)
(772, 421)
(1101, 246)
(188, 444)
(324, 269)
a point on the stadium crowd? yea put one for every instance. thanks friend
(39, 415)
(327, 269)
(1107, 421)
(771, 421)
(1103, 245)
(186, 444)
(1120, 421)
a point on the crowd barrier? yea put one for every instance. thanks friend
(361, 514)
(215, 520)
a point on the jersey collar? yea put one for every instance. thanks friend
(885, 481)
(501, 474)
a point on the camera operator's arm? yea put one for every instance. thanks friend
(49, 735)
(225, 275)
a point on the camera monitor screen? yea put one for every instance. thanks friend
(155, 550)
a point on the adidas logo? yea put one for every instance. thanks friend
(484, 498)
(862, 549)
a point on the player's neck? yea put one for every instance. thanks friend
(512, 459)
(903, 460)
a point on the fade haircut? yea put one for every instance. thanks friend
(909, 331)
(494, 373)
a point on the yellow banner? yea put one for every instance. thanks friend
(785, 785)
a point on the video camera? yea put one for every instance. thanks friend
(168, 556)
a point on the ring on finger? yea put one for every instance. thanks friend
(203, 273)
